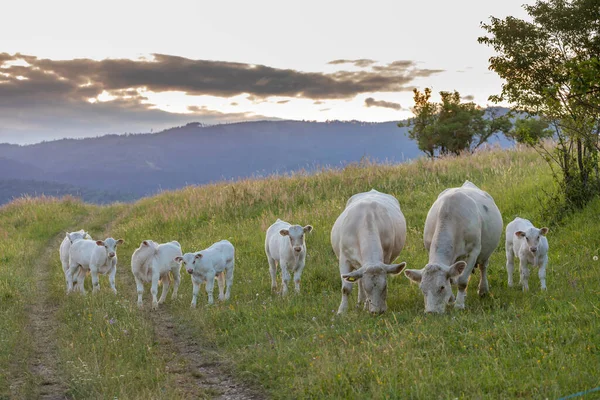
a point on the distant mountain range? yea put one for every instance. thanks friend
(127, 167)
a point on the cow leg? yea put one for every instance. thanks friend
(195, 292)
(210, 286)
(176, 282)
(542, 273)
(80, 280)
(229, 280)
(362, 296)
(166, 283)
(285, 277)
(111, 278)
(484, 286)
(298, 276)
(510, 263)
(273, 272)
(95, 280)
(154, 289)
(221, 282)
(70, 273)
(345, 268)
(463, 279)
(140, 290)
(524, 273)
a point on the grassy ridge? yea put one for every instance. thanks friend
(508, 345)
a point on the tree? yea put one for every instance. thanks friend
(451, 127)
(550, 69)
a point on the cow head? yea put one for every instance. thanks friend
(190, 261)
(532, 236)
(110, 245)
(373, 279)
(296, 236)
(78, 235)
(434, 281)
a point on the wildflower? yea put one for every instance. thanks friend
(111, 321)
(595, 258)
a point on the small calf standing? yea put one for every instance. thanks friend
(285, 246)
(216, 262)
(531, 246)
(96, 257)
(65, 247)
(152, 262)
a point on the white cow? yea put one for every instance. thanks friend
(216, 262)
(463, 224)
(531, 246)
(65, 246)
(152, 262)
(366, 238)
(285, 245)
(96, 257)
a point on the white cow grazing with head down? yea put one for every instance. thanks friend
(531, 246)
(216, 262)
(285, 245)
(65, 247)
(98, 256)
(152, 262)
(366, 238)
(463, 224)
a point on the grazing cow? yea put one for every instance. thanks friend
(285, 245)
(366, 238)
(216, 262)
(463, 224)
(65, 246)
(152, 262)
(531, 246)
(96, 257)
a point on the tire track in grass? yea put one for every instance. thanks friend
(194, 366)
(43, 324)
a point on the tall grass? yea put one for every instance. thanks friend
(509, 345)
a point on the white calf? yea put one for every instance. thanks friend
(65, 246)
(152, 262)
(96, 257)
(216, 262)
(284, 245)
(531, 246)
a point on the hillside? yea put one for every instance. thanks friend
(146, 164)
(508, 345)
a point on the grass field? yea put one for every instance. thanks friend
(508, 345)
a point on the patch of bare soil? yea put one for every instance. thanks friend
(193, 368)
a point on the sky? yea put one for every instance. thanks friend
(80, 69)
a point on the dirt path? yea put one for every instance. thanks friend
(193, 367)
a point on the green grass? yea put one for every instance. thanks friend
(508, 345)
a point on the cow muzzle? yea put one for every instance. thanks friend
(111, 255)
(533, 249)
(190, 271)
(297, 249)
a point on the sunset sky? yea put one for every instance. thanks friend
(76, 69)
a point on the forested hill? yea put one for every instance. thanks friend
(131, 166)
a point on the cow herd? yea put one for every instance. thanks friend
(462, 230)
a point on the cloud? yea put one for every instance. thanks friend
(371, 102)
(469, 97)
(48, 98)
(283, 102)
(361, 63)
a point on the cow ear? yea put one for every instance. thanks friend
(284, 232)
(414, 275)
(120, 241)
(99, 242)
(520, 234)
(353, 276)
(178, 259)
(395, 268)
(543, 231)
(198, 256)
(145, 243)
(308, 229)
(456, 269)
